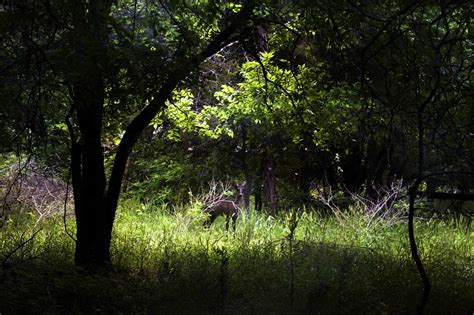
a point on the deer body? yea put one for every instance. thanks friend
(228, 208)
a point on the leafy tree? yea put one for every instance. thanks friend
(275, 114)
(119, 63)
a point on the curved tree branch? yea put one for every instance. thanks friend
(183, 66)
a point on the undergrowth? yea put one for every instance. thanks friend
(166, 261)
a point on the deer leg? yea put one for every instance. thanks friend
(234, 221)
(209, 220)
(227, 219)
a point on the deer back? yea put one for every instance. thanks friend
(221, 207)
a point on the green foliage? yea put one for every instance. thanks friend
(271, 97)
(277, 100)
(169, 262)
(163, 174)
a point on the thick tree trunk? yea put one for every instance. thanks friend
(90, 186)
(88, 173)
(91, 244)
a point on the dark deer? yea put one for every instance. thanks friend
(229, 208)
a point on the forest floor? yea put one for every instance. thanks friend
(168, 263)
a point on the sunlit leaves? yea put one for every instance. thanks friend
(274, 99)
(283, 101)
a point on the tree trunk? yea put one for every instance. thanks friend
(257, 193)
(305, 171)
(258, 185)
(270, 189)
(246, 168)
(87, 159)
(376, 165)
(411, 213)
(90, 186)
(88, 173)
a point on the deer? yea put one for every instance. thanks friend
(228, 207)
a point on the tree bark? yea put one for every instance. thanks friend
(87, 159)
(89, 174)
(90, 215)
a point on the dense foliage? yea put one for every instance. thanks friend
(337, 94)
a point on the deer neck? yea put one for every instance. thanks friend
(237, 199)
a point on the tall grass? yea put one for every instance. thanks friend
(167, 262)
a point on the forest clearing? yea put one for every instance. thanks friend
(277, 156)
(168, 263)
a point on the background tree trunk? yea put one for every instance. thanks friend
(270, 185)
(245, 167)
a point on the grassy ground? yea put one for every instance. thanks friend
(168, 263)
